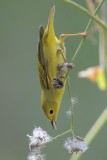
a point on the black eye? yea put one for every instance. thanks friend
(51, 111)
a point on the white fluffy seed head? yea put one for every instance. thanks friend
(74, 100)
(68, 113)
(75, 145)
(33, 156)
(38, 139)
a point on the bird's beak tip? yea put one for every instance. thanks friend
(53, 124)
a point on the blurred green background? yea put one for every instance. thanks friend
(20, 92)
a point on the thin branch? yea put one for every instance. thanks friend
(87, 27)
(60, 135)
(86, 12)
(70, 102)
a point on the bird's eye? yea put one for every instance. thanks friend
(51, 111)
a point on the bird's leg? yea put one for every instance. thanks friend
(60, 51)
(62, 71)
(83, 34)
(57, 82)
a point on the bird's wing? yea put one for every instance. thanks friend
(42, 62)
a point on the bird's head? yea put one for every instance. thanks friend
(50, 109)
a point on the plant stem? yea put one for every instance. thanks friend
(87, 27)
(74, 57)
(60, 135)
(103, 44)
(93, 131)
(70, 102)
(91, 6)
(86, 12)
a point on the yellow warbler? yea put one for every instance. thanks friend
(52, 68)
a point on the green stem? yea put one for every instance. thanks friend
(93, 131)
(104, 40)
(103, 52)
(74, 57)
(60, 135)
(87, 27)
(86, 12)
(70, 102)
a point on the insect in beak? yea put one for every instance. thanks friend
(53, 122)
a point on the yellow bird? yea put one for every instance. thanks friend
(52, 68)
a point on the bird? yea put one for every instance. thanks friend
(52, 68)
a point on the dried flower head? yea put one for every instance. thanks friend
(33, 156)
(95, 74)
(75, 145)
(38, 139)
(90, 73)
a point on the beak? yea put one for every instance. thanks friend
(53, 122)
